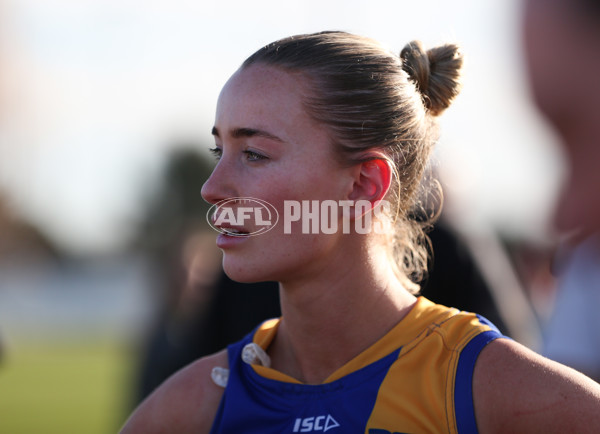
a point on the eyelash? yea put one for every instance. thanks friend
(217, 152)
(254, 156)
(250, 155)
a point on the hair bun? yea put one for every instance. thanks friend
(435, 72)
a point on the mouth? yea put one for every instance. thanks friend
(234, 232)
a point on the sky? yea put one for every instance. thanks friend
(95, 93)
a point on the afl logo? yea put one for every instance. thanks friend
(242, 216)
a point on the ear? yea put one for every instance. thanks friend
(372, 180)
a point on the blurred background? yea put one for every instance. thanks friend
(106, 108)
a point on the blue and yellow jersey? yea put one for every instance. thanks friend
(416, 379)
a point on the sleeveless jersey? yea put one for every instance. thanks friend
(415, 379)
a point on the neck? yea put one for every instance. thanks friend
(329, 320)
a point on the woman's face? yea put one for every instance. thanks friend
(270, 149)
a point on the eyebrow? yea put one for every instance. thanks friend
(248, 132)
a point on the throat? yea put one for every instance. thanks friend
(313, 349)
(316, 356)
(308, 365)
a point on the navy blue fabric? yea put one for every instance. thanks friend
(487, 322)
(254, 404)
(463, 388)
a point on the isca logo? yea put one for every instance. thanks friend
(242, 216)
(315, 423)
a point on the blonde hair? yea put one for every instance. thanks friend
(371, 99)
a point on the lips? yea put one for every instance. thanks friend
(231, 237)
(227, 228)
(242, 217)
(234, 232)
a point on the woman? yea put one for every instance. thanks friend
(334, 117)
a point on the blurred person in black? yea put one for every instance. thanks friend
(562, 47)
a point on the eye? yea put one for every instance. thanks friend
(254, 156)
(217, 152)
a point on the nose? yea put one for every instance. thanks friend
(219, 185)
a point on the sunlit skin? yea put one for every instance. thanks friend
(562, 42)
(338, 293)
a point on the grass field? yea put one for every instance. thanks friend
(64, 387)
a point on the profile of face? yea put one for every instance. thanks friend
(562, 46)
(269, 148)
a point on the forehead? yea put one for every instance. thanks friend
(264, 77)
(262, 96)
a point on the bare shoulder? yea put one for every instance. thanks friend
(186, 402)
(517, 390)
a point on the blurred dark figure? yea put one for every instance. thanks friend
(456, 279)
(562, 47)
(475, 272)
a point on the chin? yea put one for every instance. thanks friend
(244, 273)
